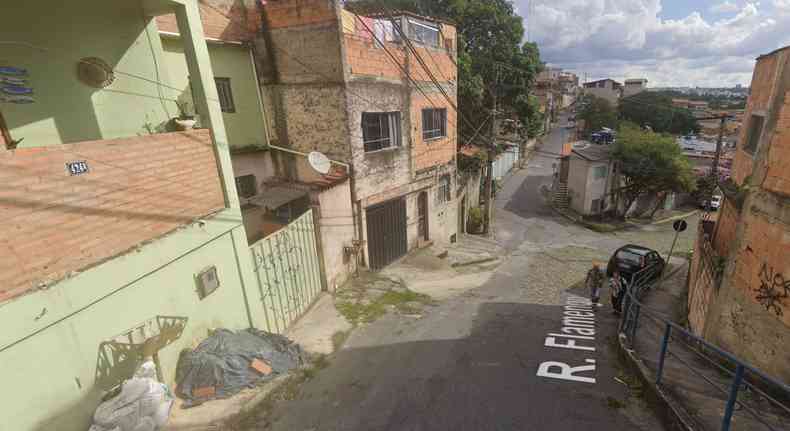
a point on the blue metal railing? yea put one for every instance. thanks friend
(639, 284)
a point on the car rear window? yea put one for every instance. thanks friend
(629, 256)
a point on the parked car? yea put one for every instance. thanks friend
(631, 258)
(714, 204)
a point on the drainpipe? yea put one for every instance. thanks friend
(260, 95)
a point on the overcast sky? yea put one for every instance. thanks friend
(706, 43)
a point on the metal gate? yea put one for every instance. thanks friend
(386, 232)
(288, 272)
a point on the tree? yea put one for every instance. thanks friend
(597, 113)
(655, 110)
(649, 163)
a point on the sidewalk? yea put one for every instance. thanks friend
(694, 387)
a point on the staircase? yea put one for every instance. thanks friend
(560, 196)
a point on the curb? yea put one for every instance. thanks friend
(474, 262)
(674, 416)
(677, 217)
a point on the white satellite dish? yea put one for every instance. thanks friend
(319, 162)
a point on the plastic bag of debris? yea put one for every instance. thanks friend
(227, 362)
(143, 404)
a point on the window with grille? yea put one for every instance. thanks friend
(380, 130)
(755, 130)
(434, 123)
(245, 186)
(443, 192)
(225, 95)
(424, 32)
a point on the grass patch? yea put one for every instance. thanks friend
(404, 301)
(338, 339)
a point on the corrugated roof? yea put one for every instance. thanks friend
(274, 197)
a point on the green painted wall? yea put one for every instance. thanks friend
(245, 127)
(66, 110)
(50, 356)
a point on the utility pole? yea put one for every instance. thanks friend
(715, 168)
(489, 189)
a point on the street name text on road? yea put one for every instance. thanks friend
(577, 333)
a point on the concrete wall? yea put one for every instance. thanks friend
(584, 187)
(577, 183)
(51, 355)
(751, 314)
(136, 189)
(337, 230)
(65, 109)
(246, 126)
(376, 172)
(300, 63)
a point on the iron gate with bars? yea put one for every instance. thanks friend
(386, 232)
(288, 272)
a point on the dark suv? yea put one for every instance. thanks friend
(630, 259)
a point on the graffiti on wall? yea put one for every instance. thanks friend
(772, 290)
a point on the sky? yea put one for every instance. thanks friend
(705, 43)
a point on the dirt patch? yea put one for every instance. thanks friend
(372, 296)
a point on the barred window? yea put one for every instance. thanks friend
(245, 186)
(434, 123)
(443, 192)
(225, 95)
(380, 130)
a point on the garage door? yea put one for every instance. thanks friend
(386, 232)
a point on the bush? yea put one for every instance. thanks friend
(475, 222)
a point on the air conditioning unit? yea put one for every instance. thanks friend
(207, 282)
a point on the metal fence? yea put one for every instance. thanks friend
(288, 271)
(740, 376)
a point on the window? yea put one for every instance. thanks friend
(380, 130)
(245, 186)
(424, 33)
(753, 137)
(599, 172)
(225, 95)
(443, 192)
(434, 123)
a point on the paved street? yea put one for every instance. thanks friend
(472, 362)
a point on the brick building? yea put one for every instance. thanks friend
(607, 89)
(744, 303)
(352, 88)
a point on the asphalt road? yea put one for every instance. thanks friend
(471, 363)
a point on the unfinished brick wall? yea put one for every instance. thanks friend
(436, 151)
(778, 175)
(364, 57)
(725, 228)
(759, 98)
(437, 60)
(136, 189)
(228, 20)
(294, 13)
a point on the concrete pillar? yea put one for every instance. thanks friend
(204, 93)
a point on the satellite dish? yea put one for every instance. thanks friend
(319, 162)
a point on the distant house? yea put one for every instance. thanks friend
(589, 177)
(607, 89)
(634, 86)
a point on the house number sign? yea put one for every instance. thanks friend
(77, 168)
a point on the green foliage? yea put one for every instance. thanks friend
(490, 51)
(597, 113)
(475, 222)
(650, 163)
(655, 110)
(471, 163)
(705, 187)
